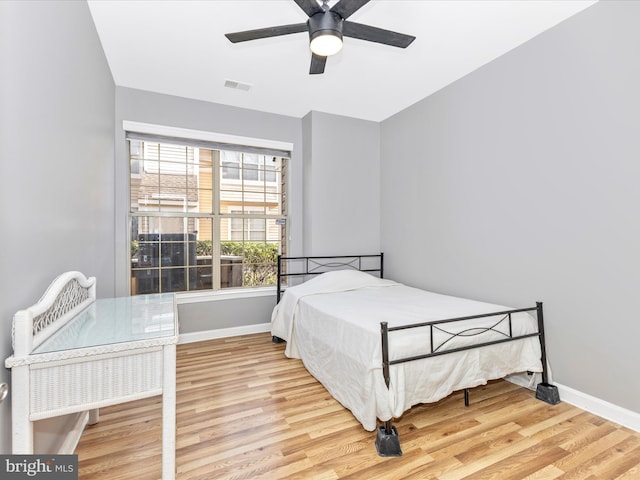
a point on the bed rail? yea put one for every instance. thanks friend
(304, 266)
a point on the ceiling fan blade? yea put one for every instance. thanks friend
(266, 32)
(375, 34)
(346, 8)
(317, 64)
(310, 7)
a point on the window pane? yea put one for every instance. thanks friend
(204, 203)
(250, 167)
(204, 255)
(270, 173)
(259, 266)
(256, 229)
(231, 271)
(230, 165)
(258, 257)
(236, 229)
(230, 193)
(165, 255)
(230, 172)
(253, 199)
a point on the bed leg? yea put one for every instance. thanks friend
(387, 441)
(466, 397)
(545, 391)
(275, 339)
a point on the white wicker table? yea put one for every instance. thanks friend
(104, 352)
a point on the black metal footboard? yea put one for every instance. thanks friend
(387, 441)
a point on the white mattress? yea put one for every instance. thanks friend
(332, 323)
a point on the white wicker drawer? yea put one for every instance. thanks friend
(79, 384)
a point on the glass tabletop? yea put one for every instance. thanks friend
(116, 320)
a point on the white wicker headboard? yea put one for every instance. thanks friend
(68, 294)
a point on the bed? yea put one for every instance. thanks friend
(381, 347)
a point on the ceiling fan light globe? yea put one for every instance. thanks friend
(326, 44)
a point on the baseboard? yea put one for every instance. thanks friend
(602, 408)
(591, 404)
(72, 437)
(224, 333)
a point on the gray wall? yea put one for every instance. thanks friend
(519, 183)
(341, 185)
(225, 313)
(56, 158)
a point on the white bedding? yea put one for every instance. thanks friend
(332, 323)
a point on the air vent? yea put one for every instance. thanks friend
(237, 85)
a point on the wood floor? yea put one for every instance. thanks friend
(247, 412)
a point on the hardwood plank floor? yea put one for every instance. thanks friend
(245, 411)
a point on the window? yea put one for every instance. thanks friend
(203, 217)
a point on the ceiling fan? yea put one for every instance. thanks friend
(326, 27)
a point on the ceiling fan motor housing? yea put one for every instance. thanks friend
(325, 23)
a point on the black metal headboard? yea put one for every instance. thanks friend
(305, 266)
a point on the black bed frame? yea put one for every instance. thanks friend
(387, 440)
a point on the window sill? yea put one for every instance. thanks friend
(226, 294)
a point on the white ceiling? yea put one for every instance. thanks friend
(179, 48)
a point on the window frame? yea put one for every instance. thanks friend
(213, 141)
